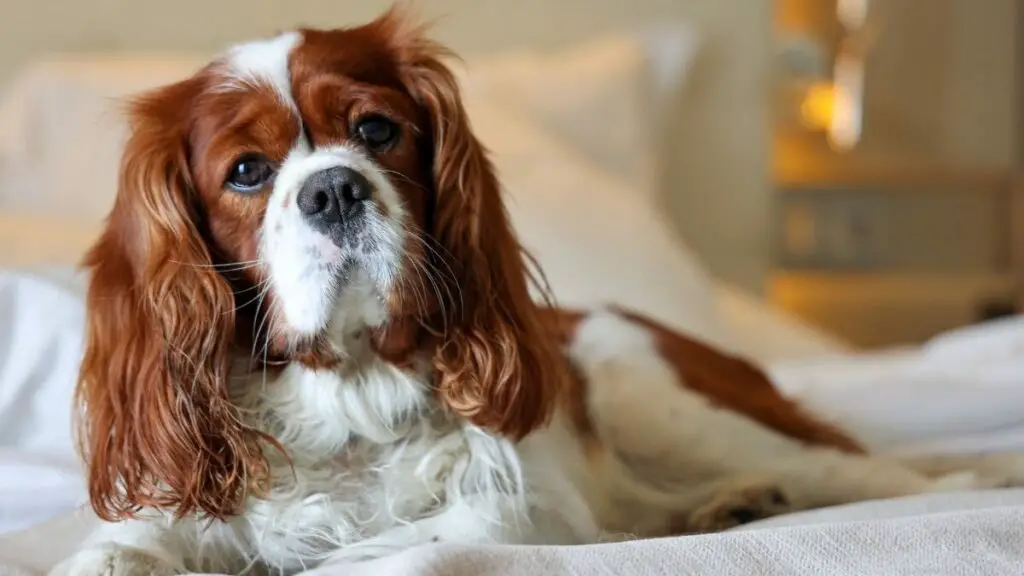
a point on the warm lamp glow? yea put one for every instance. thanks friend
(844, 130)
(818, 106)
(834, 109)
(833, 105)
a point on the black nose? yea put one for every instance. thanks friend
(328, 196)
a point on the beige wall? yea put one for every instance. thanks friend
(720, 159)
(941, 78)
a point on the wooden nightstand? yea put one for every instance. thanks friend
(940, 247)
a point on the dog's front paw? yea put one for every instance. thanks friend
(113, 560)
(738, 506)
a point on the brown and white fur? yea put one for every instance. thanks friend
(311, 341)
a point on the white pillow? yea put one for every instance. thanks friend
(608, 97)
(61, 128)
(767, 335)
(596, 241)
(32, 239)
(961, 392)
(62, 131)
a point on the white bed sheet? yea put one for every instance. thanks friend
(965, 534)
(35, 488)
(962, 392)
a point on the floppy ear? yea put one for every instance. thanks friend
(154, 421)
(498, 365)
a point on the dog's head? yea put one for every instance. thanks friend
(294, 192)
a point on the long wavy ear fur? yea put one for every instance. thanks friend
(154, 421)
(497, 365)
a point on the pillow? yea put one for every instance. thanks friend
(768, 335)
(595, 240)
(31, 240)
(61, 131)
(608, 98)
(62, 134)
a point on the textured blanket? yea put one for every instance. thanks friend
(970, 534)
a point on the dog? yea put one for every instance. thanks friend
(311, 339)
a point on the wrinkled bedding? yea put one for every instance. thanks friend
(970, 534)
(967, 383)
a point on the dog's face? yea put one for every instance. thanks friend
(309, 156)
(293, 193)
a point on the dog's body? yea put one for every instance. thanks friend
(645, 456)
(311, 340)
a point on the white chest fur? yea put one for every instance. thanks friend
(373, 466)
(368, 453)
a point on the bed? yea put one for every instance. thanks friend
(581, 196)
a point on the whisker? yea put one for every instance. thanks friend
(258, 315)
(433, 247)
(226, 267)
(420, 289)
(404, 178)
(427, 272)
(442, 302)
(264, 286)
(420, 265)
(448, 271)
(266, 345)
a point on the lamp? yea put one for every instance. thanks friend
(829, 99)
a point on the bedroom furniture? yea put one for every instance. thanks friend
(917, 228)
(893, 251)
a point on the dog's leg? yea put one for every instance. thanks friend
(825, 477)
(113, 560)
(637, 509)
(155, 546)
(128, 548)
(667, 462)
(733, 504)
(998, 469)
(669, 435)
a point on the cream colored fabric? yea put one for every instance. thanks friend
(609, 99)
(970, 534)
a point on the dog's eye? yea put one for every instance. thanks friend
(250, 174)
(376, 131)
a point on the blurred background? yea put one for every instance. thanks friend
(852, 165)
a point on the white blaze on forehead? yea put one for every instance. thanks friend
(265, 63)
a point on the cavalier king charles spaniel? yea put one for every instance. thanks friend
(313, 337)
